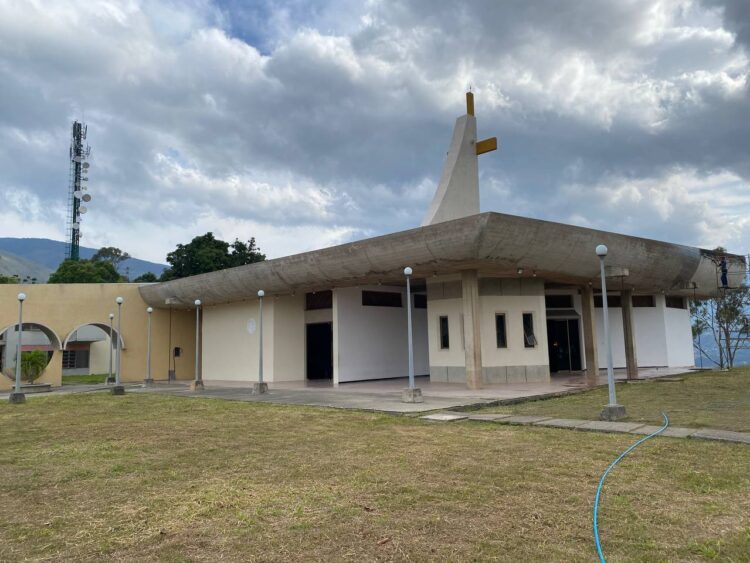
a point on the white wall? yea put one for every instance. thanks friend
(663, 336)
(616, 336)
(371, 342)
(650, 335)
(679, 337)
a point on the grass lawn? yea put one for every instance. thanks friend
(84, 379)
(710, 399)
(149, 477)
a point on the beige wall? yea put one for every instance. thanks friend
(510, 296)
(453, 309)
(230, 352)
(289, 336)
(64, 307)
(516, 354)
(99, 356)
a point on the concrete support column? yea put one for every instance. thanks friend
(589, 335)
(472, 330)
(631, 358)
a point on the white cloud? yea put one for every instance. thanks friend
(306, 125)
(682, 205)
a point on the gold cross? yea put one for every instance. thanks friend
(487, 145)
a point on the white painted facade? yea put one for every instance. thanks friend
(370, 342)
(663, 336)
(679, 333)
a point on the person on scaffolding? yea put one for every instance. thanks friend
(724, 271)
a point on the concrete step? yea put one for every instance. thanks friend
(36, 387)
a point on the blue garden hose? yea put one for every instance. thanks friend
(604, 476)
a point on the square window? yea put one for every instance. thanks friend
(675, 302)
(644, 301)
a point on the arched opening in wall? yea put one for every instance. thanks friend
(89, 354)
(38, 345)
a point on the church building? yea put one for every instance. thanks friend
(495, 298)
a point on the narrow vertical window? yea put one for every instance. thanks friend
(502, 340)
(529, 340)
(444, 336)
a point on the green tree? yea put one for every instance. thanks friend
(724, 321)
(208, 254)
(148, 277)
(33, 363)
(8, 279)
(85, 271)
(110, 254)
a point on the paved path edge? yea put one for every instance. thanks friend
(714, 434)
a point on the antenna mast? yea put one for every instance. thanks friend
(79, 169)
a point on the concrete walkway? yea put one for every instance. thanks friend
(385, 395)
(378, 395)
(594, 426)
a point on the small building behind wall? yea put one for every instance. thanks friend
(86, 352)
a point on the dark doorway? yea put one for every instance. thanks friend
(564, 345)
(319, 351)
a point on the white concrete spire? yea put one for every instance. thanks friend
(458, 192)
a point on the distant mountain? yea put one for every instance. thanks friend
(41, 256)
(13, 265)
(742, 358)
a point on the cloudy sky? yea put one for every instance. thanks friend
(307, 123)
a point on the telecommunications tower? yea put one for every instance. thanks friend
(79, 170)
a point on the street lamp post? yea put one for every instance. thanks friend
(197, 384)
(411, 394)
(261, 386)
(118, 389)
(148, 380)
(110, 377)
(16, 397)
(612, 411)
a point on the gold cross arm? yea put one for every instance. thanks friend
(487, 145)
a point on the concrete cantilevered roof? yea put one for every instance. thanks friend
(495, 243)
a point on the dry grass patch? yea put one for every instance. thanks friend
(707, 399)
(146, 477)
